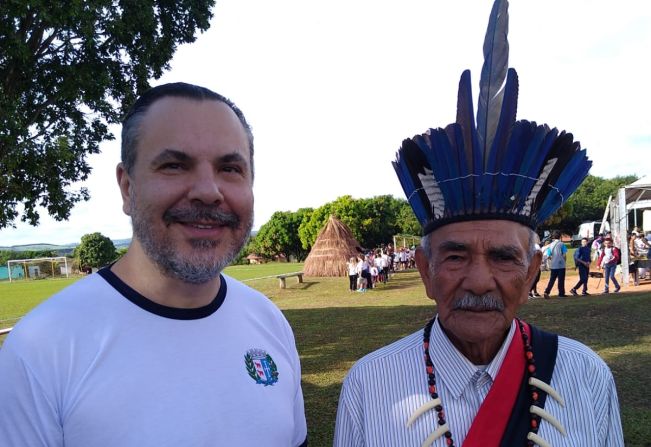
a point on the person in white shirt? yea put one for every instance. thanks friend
(351, 266)
(476, 375)
(160, 348)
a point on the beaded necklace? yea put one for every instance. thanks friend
(530, 371)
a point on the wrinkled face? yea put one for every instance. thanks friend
(190, 193)
(479, 275)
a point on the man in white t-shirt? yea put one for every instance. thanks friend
(160, 348)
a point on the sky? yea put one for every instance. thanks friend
(331, 88)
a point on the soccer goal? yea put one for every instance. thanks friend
(38, 268)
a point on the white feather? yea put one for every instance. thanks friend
(433, 191)
(526, 210)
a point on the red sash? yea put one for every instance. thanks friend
(490, 423)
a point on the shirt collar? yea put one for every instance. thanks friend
(454, 369)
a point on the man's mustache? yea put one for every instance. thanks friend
(206, 214)
(478, 303)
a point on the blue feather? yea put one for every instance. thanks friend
(493, 74)
(439, 158)
(408, 186)
(466, 119)
(532, 164)
(465, 183)
(499, 151)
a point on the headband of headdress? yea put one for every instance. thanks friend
(499, 169)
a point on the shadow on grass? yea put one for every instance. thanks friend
(331, 339)
(305, 285)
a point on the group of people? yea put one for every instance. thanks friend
(606, 256)
(161, 348)
(365, 271)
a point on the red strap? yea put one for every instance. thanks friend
(488, 427)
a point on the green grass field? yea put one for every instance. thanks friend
(334, 328)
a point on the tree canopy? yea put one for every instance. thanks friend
(587, 203)
(280, 235)
(67, 71)
(95, 250)
(6, 255)
(373, 221)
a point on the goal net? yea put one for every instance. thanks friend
(38, 268)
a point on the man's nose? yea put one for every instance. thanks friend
(205, 186)
(479, 278)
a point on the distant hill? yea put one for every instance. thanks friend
(61, 250)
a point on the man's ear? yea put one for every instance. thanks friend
(422, 262)
(124, 182)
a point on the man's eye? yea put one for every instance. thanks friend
(233, 169)
(171, 166)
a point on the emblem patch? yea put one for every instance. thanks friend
(261, 367)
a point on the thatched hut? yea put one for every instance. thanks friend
(333, 247)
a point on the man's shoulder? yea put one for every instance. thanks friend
(64, 311)
(247, 297)
(578, 357)
(72, 299)
(379, 358)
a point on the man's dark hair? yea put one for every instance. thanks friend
(133, 118)
(556, 234)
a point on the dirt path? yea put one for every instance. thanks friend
(595, 286)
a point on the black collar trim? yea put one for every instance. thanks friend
(174, 313)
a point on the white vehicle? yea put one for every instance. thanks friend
(589, 230)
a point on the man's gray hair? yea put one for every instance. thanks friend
(133, 119)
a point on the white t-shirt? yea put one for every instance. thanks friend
(352, 268)
(608, 256)
(100, 365)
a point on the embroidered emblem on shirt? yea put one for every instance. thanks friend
(261, 367)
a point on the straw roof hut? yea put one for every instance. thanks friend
(333, 247)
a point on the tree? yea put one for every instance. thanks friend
(587, 203)
(67, 71)
(372, 221)
(119, 252)
(407, 222)
(95, 250)
(280, 235)
(6, 255)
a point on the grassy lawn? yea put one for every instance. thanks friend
(334, 328)
(18, 297)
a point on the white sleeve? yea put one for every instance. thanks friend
(28, 414)
(611, 434)
(348, 427)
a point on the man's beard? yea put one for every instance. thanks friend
(478, 303)
(203, 264)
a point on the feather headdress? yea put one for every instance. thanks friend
(498, 169)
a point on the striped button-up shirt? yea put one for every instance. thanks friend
(386, 387)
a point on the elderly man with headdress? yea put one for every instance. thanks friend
(476, 375)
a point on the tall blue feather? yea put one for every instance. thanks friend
(493, 74)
